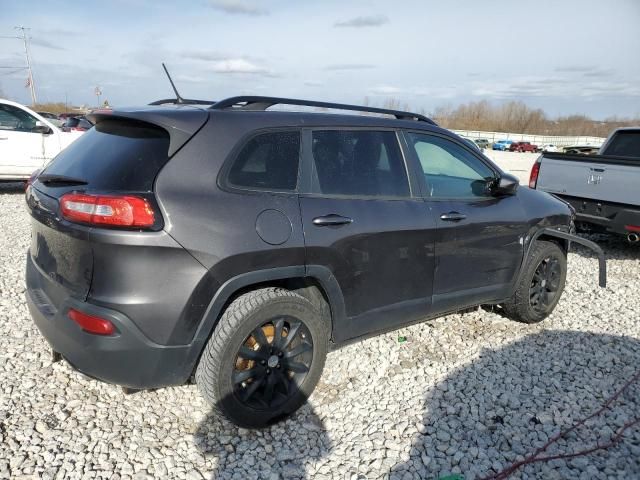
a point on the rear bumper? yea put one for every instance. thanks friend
(604, 216)
(126, 358)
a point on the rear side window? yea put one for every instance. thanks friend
(115, 155)
(625, 144)
(358, 163)
(268, 161)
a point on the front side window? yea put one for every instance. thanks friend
(450, 171)
(358, 163)
(16, 119)
(269, 161)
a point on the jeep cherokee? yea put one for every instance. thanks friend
(236, 245)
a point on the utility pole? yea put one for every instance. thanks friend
(98, 92)
(30, 82)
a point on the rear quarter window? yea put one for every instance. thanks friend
(267, 161)
(115, 155)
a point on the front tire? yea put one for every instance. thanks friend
(541, 284)
(264, 358)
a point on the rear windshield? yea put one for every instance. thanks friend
(115, 155)
(625, 144)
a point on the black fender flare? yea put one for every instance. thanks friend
(550, 232)
(320, 274)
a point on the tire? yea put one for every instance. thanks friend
(263, 392)
(527, 307)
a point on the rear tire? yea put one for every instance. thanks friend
(264, 358)
(541, 284)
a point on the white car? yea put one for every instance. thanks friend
(549, 147)
(28, 141)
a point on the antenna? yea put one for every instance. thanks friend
(179, 99)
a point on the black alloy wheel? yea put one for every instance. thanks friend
(545, 284)
(272, 363)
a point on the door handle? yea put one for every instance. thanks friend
(4, 138)
(331, 219)
(452, 217)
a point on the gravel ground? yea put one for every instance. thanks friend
(519, 164)
(467, 393)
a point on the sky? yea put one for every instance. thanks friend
(564, 56)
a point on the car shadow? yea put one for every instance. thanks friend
(287, 449)
(11, 187)
(490, 413)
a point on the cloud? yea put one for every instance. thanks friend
(554, 87)
(238, 7)
(238, 65)
(313, 83)
(190, 78)
(349, 66)
(600, 73)
(576, 68)
(205, 56)
(45, 44)
(59, 32)
(385, 90)
(586, 70)
(364, 21)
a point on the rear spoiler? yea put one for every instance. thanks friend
(181, 123)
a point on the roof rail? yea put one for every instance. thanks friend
(182, 101)
(262, 103)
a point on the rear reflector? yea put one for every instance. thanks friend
(632, 228)
(113, 210)
(535, 171)
(91, 324)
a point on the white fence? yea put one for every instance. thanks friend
(535, 139)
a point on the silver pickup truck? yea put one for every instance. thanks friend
(604, 189)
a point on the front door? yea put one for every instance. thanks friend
(479, 244)
(21, 148)
(361, 220)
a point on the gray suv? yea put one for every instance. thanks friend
(235, 246)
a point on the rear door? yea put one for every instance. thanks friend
(479, 237)
(362, 221)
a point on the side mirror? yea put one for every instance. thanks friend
(507, 184)
(41, 128)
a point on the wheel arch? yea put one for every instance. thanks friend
(543, 235)
(314, 282)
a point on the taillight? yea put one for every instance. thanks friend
(535, 171)
(110, 210)
(91, 323)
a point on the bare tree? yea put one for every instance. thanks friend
(514, 117)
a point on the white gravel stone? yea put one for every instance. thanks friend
(466, 393)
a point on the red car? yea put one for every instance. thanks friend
(523, 147)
